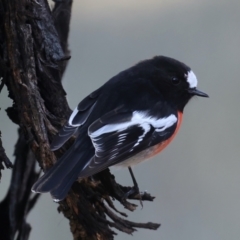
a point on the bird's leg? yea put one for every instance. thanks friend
(135, 188)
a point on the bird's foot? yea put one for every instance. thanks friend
(134, 191)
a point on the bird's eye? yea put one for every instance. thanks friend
(175, 80)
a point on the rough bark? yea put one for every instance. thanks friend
(33, 57)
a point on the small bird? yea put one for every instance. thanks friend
(129, 119)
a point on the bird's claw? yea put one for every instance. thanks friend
(133, 192)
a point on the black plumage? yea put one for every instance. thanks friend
(133, 112)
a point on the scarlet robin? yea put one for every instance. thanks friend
(131, 118)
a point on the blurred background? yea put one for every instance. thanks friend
(196, 179)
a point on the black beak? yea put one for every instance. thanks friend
(195, 91)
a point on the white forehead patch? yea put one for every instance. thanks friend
(192, 79)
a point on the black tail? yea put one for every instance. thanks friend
(59, 179)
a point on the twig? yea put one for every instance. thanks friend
(3, 158)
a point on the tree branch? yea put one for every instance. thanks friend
(17, 203)
(3, 158)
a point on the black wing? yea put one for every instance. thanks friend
(78, 117)
(118, 136)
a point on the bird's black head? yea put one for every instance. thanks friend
(175, 81)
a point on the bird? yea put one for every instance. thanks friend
(129, 119)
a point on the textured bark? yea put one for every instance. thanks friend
(33, 57)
